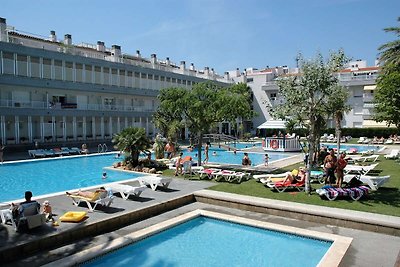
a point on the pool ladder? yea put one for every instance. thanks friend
(102, 148)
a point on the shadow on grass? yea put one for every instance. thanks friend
(386, 195)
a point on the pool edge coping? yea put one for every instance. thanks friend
(332, 257)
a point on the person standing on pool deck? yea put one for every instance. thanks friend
(206, 150)
(178, 165)
(330, 163)
(266, 159)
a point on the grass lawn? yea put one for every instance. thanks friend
(386, 200)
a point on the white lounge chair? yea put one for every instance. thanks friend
(30, 215)
(362, 170)
(101, 198)
(374, 182)
(362, 139)
(208, 173)
(371, 158)
(265, 178)
(237, 177)
(154, 181)
(126, 190)
(394, 154)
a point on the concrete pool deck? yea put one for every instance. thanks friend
(376, 237)
(371, 245)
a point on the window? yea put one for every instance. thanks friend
(69, 71)
(162, 78)
(168, 79)
(78, 72)
(150, 76)
(8, 63)
(46, 68)
(249, 80)
(58, 69)
(88, 73)
(114, 77)
(35, 67)
(143, 76)
(97, 74)
(106, 72)
(130, 79)
(22, 65)
(173, 80)
(122, 78)
(156, 77)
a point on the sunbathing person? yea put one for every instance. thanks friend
(88, 194)
(295, 176)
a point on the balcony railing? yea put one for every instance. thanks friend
(97, 107)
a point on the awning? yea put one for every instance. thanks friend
(369, 87)
(372, 123)
(273, 124)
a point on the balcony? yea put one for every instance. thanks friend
(4, 103)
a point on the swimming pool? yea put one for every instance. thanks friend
(359, 148)
(229, 157)
(57, 175)
(205, 238)
(244, 145)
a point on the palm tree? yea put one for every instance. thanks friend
(390, 52)
(133, 141)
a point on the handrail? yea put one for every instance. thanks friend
(102, 148)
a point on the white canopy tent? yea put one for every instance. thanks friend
(273, 124)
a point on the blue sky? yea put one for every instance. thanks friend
(220, 34)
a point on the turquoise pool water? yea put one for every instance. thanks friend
(209, 242)
(228, 157)
(244, 145)
(360, 148)
(56, 175)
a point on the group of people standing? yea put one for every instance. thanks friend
(334, 167)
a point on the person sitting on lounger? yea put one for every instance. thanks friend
(295, 176)
(17, 209)
(88, 194)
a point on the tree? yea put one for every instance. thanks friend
(307, 94)
(339, 106)
(387, 97)
(203, 106)
(390, 52)
(133, 141)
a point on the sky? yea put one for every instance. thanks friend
(220, 34)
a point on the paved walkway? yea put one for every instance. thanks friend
(369, 248)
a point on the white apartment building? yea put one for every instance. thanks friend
(358, 78)
(56, 92)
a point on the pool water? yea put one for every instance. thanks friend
(243, 145)
(359, 148)
(228, 157)
(56, 175)
(205, 241)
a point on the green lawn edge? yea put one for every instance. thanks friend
(385, 200)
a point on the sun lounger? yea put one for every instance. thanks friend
(28, 217)
(371, 158)
(126, 190)
(362, 170)
(37, 153)
(267, 177)
(394, 154)
(56, 151)
(283, 185)
(333, 193)
(154, 181)
(99, 198)
(208, 173)
(374, 182)
(237, 177)
(223, 174)
(74, 150)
